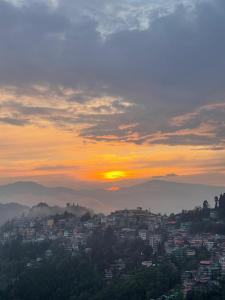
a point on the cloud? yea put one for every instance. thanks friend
(56, 168)
(13, 121)
(167, 59)
(42, 108)
(203, 126)
(172, 175)
(40, 43)
(115, 15)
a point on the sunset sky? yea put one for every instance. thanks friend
(112, 91)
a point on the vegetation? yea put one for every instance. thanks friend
(81, 277)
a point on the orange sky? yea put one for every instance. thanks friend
(32, 151)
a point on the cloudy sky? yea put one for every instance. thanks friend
(105, 90)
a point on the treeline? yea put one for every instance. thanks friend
(205, 218)
(77, 279)
(220, 204)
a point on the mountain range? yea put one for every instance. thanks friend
(157, 195)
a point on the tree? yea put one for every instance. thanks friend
(205, 205)
(216, 202)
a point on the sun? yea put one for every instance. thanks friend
(111, 175)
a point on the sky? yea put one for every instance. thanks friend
(112, 92)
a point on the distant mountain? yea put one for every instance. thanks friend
(29, 187)
(31, 193)
(11, 210)
(158, 195)
(164, 196)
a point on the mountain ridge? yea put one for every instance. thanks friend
(159, 195)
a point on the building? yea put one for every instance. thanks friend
(143, 234)
(154, 241)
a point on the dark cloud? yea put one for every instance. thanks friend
(204, 126)
(168, 69)
(14, 121)
(165, 176)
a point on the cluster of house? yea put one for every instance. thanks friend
(137, 223)
(70, 229)
(128, 224)
(155, 230)
(206, 273)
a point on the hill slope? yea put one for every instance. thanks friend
(11, 210)
(44, 210)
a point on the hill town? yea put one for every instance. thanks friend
(121, 246)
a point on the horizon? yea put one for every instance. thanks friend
(107, 186)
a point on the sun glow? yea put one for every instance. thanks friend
(114, 175)
(113, 188)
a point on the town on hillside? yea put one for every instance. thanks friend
(191, 244)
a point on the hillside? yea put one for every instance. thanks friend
(44, 210)
(11, 210)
